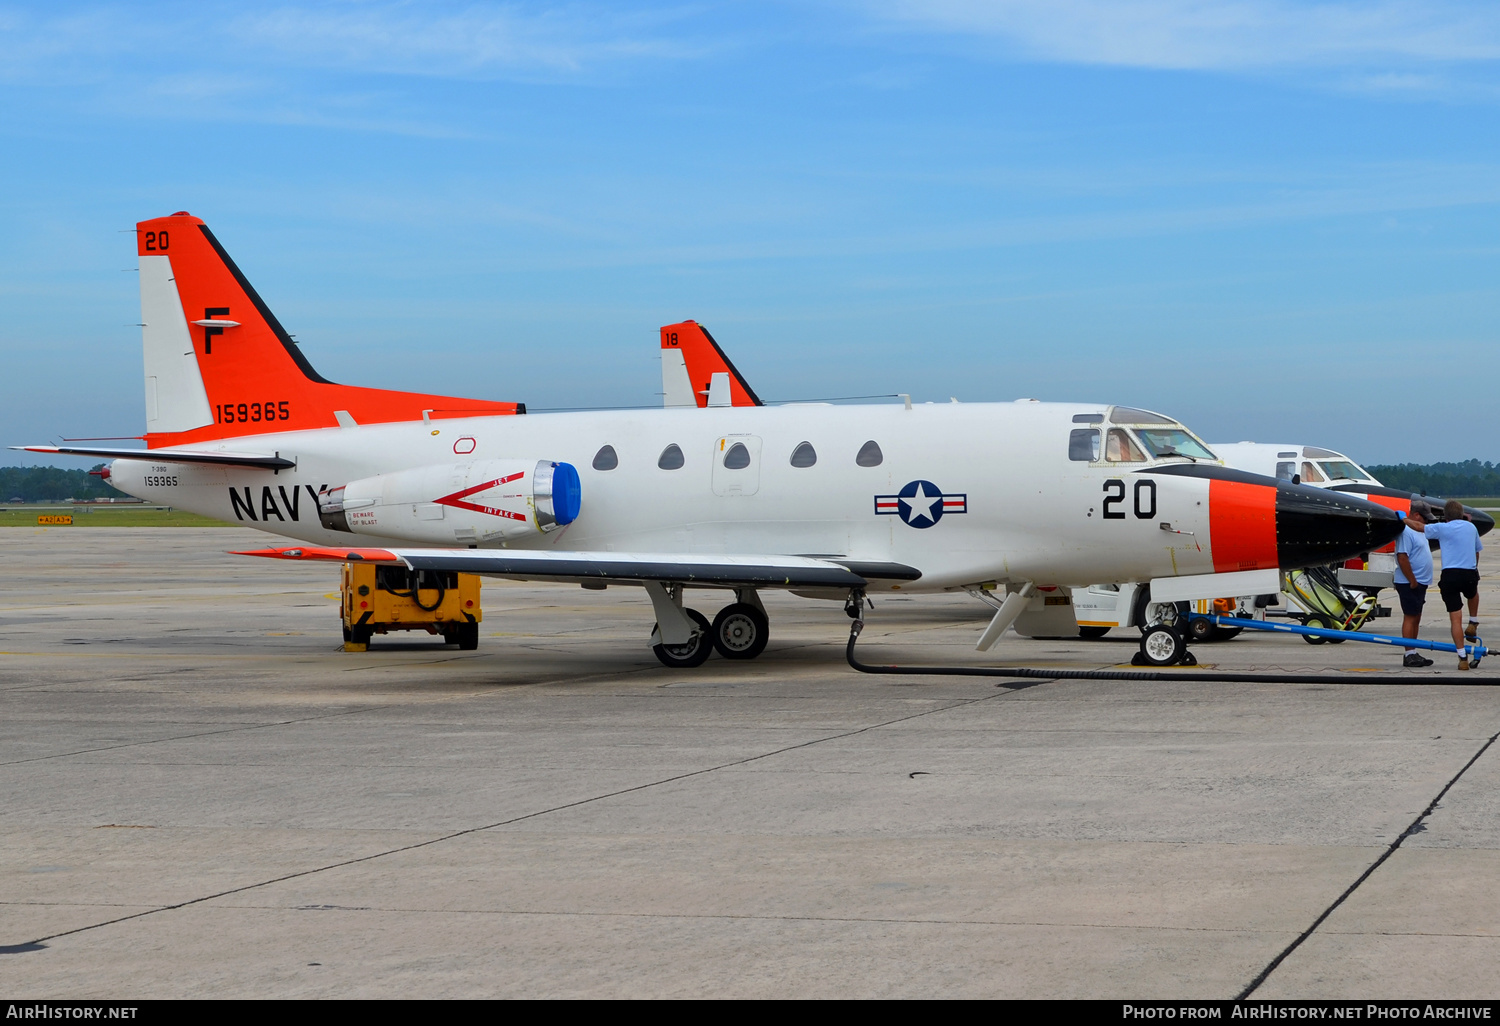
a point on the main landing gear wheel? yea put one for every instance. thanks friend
(1163, 646)
(1092, 632)
(740, 631)
(692, 652)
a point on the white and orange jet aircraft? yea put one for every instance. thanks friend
(1014, 499)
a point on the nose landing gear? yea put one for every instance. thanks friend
(1163, 645)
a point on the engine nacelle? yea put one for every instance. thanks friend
(457, 503)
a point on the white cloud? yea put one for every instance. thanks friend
(320, 62)
(1203, 34)
(476, 40)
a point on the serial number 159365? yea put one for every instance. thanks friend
(250, 413)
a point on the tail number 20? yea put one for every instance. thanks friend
(1145, 499)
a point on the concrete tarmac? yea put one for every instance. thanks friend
(204, 796)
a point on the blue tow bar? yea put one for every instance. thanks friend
(1476, 652)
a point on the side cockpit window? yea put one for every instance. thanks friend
(605, 458)
(870, 455)
(1121, 448)
(1083, 445)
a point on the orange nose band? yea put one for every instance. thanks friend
(1389, 502)
(1242, 526)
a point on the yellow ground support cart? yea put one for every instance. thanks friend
(380, 599)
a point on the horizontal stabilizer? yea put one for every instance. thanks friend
(222, 459)
(624, 567)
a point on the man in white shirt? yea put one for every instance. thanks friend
(1413, 575)
(1460, 544)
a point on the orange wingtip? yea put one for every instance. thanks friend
(331, 555)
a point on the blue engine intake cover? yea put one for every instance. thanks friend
(567, 493)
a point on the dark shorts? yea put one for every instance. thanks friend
(1413, 597)
(1457, 585)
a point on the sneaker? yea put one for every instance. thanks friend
(1463, 664)
(1414, 660)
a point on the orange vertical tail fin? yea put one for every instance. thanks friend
(690, 361)
(219, 364)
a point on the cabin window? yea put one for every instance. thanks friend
(1285, 470)
(1121, 448)
(671, 458)
(1310, 473)
(870, 455)
(737, 458)
(1083, 445)
(605, 459)
(804, 455)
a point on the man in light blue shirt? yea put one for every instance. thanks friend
(1413, 575)
(1460, 544)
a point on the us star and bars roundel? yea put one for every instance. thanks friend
(921, 504)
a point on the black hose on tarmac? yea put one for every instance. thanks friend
(1160, 675)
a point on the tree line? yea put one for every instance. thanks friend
(52, 484)
(1469, 478)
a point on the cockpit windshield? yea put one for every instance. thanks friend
(1343, 470)
(1175, 441)
(1132, 436)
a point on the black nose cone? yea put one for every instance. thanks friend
(1480, 519)
(1316, 526)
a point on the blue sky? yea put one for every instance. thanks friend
(1276, 221)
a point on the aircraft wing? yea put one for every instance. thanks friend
(223, 459)
(714, 570)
